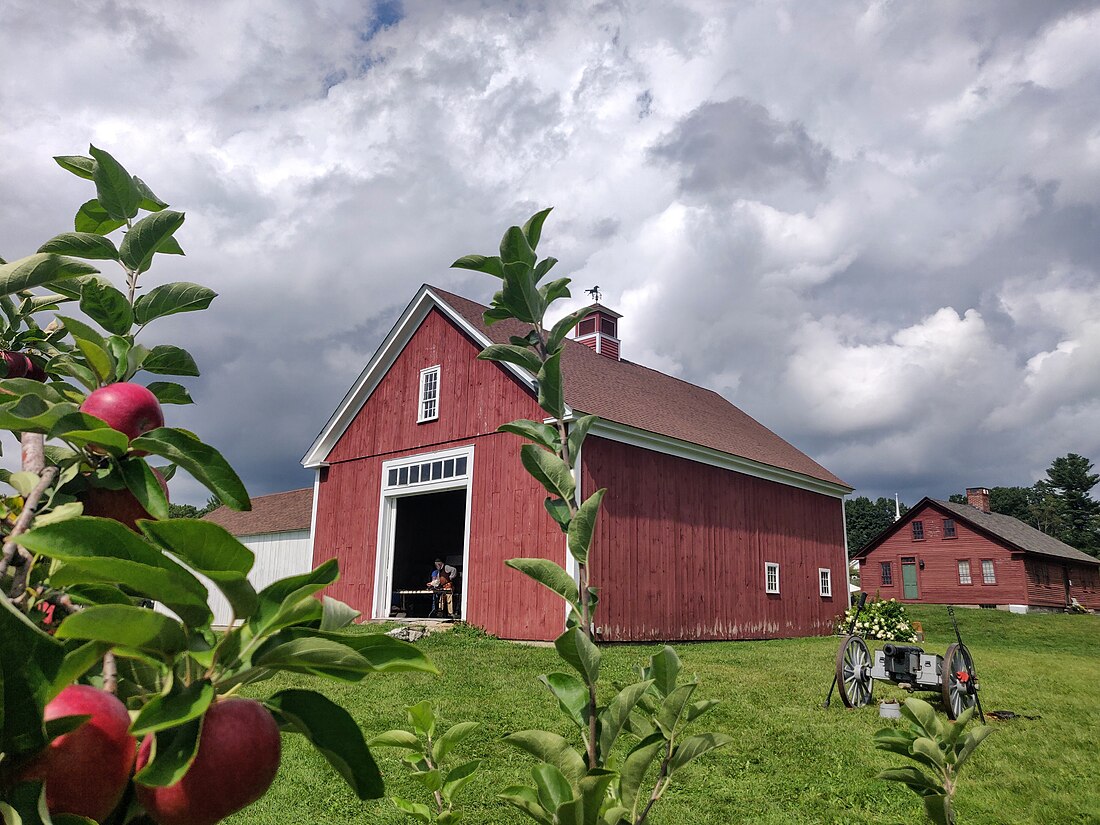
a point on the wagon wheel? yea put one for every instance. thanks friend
(959, 690)
(853, 672)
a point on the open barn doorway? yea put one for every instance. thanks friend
(427, 527)
(424, 515)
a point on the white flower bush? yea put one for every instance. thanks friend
(884, 619)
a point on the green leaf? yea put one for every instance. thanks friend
(173, 752)
(532, 230)
(936, 806)
(106, 306)
(168, 392)
(418, 810)
(312, 655)
(396, 739)
(583, 525)
(914, 778)
(183, 705)
(334, 734)
(973, 739)
(28, 805)
(100, 550)
(480, 263)
(451, 737)
(422, 718)
(31, 414)
(673, 707)
(559, 511)
(81, 245)
(145, 486)
(550, 387)
(170, 247)
(336, 614)
(553, 788)
(115, 187)
(540, 433)
(93, 346)
(551, 748)
(513, 355)
(554, 290)
(165, 359)
(564, 326)
(76, 663)
(549, 470)
(928, 751)
(39, 269)
(431, 779)
(640, 759)
(580, 653)
(144, 238)
(92, 217)
(211, 550)
(614, 717)
(29, 663)
(200, 460)
(66, 364)
(572, 696)
(697, 709)
(695, 746)
(149, 201)
(79, 165)
(282, 601)
(527, 801)
(923, 718)
(459, 776)
(135, 627)
(550, 575)
(593, 788)
(514, 248)
(543, 267)
(664, 670)
(169, 299)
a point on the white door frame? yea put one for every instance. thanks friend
(387, 516)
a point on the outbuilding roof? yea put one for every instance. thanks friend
(640, 397)
(274, 513)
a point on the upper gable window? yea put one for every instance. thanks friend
(428, 409)
(949, 528)
(918, 531)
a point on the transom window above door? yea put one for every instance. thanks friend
(427, 471)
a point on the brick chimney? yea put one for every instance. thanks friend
(600, 331)
(978, 497)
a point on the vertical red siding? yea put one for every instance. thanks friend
(1046, 585)
(680, 549)
(938, 582)
(507, 516)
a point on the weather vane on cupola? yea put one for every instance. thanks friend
(595, 293)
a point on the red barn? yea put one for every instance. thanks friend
(940, 552)
(713, 527)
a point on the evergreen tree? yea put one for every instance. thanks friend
(1070, 478)
(865, 519)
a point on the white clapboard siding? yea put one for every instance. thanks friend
(278, 555)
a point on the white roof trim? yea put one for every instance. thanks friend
(371, 376)
(715, 458)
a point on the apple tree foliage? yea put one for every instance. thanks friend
(75, 588)
(632, 739)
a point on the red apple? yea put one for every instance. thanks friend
(128, 408)
(235, 765)
(87, 769)
(120, 505)
(35, 372)
(14, 364)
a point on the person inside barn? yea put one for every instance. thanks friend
(442, 589)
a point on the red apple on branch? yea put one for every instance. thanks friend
(87, 769)
(14, 364)
(129, 408)
(120, 505)
(236, 763)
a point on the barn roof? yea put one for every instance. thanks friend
(641, 397)
(1009, 531)
(683, 419)
(275, 513)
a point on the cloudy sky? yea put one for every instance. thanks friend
(874, 226)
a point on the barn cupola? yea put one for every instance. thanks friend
(599, 331)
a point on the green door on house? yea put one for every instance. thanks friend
(909, 577)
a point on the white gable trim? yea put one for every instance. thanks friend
(715, 458)
(376, 369)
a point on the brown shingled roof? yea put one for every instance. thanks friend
(1016, 533)
(639, 397)
(275, 513)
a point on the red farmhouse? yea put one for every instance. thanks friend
(945, 553)
(713, 527)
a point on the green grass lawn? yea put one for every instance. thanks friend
(792, 760)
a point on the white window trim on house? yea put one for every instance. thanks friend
(989, 574)
(769, 585)
(825, 581)
(428, 406)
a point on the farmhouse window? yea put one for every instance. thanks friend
(771, 577)
(887, 572)
(825, 581)
(918, 531)
(988, 576)
(429, 395)
(949, 528)
(964, 572)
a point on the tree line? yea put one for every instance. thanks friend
(1059, 505)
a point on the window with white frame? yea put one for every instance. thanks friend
(964, 571)
(771, 577)
(428, 409)
(825, 581)
(988, 576)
